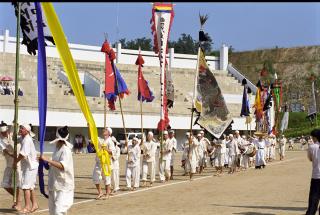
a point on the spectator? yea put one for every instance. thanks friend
(314, 157)
(90, 147)
(20, 93)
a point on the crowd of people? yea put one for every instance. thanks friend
(8, 88)
(231, 152)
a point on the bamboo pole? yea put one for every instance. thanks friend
(16, 103)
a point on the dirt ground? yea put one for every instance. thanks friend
(281, 188)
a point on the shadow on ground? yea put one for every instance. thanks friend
(253, 213)
(7, 210)
(302, 209)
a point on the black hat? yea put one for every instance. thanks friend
(315, 133)
(62, 134)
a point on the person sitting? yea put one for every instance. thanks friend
(90, 147)
(20, 93)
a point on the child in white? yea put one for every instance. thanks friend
(29, 168)
(108, 145)
(193, 156)
(6, 147)
(174, 150)
(260, 145)
(61, 174)
(149, 158)
(134, 152)
(115, 166)
(164, 170)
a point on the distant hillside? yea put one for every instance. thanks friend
(292, 65)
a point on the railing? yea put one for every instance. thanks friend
(235, 73)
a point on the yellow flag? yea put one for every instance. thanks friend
(72, 73)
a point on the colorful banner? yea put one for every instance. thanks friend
(112, 88)
(162, 17)
(73, 76)
(245, 108)
(29, 28)
(42, 92)
(215, 116)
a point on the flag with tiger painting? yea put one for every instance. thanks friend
(161, 21)
(214, 114)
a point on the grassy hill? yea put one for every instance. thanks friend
(299, 124)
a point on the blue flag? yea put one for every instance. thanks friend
(245, 109)
(42, 92)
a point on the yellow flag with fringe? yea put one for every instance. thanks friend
(72, 73)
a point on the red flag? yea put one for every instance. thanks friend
(109, 74)
(143, 88)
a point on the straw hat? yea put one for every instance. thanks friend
(260, 134)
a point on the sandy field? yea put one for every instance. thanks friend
(281, 188)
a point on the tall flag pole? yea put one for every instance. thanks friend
(114, 83)
(104, 91)
(74, 79)
(144, 92)
(16, 102)
(213, 114)
(276, 88)
(162, 18)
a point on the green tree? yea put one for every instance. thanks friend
(144, 43)
(185, 44)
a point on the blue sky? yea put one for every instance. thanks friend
(245, 26)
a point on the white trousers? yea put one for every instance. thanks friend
(98, 175)
(28, 179)
(245, 161)
(232, 161)
(7, 181)
(60, 201)
(134, 173)
(260, 157)
(282, 150)
(191, 165)
(164, 169)
(115, 179)
(148, 167)
(219, 160)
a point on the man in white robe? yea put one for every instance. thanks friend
(260, 157)
(98, 175)
(164, 169)
(61, 174)
(132, 170)
(149, 149)
(174, 150)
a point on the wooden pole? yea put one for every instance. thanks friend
(123, 123)
(16, 104)
(141, 119)
(193, 97)
(105, 112)
(104, 94)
